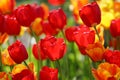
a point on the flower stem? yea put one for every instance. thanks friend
(27, 65)
(39, 65)
(0, 60)
(60, 69)
(97, 33)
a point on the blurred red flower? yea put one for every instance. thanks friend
(90, 14)
(17, 52)
(112, 57)
(57, 18)
(53, 48)
(37, 49)
(114, 27)
(26, 74)
(56, 2)
(47, 73)
(11, 25)
(25, 15)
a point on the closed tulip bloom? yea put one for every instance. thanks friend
(25, 15)
(112, 57)
(90, 14)
(57, 18)
(56, 2)
(37, 52)
(47, 73)
(25, 74)
(17, 52)
(54, 48)
(3, 76)
(115, 27)
(12, 27)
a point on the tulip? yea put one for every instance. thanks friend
(12, 27)
(70, 33)
(83, 37)
(47, 73)
(106, 71)
(3, 76)
(114, 27)
(56, 2)
(17, 52)
(48, 29)
(7, 6)
(112, 57)
(53, 48)
(1, 23)
(26, 74)
(57, 18)
(90, 14)
(37, 52)
(25, 15)
(95, 51)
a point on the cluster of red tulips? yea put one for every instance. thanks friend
(52, 50)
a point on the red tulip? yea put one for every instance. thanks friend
(53, 48)
(48, 29)
(17, 52)
(114, 27)
(112, 57)
(1, 23)
(70, 33)
(37, 49)
(12, 27)
(25, 15)
(24, 75)
(39, 11)
(90, 14)
(56, 2)
(47, 73)
(84, 37)
(57, 18)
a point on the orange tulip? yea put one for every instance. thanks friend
(3, 76)
(95, 51)
(37, 26)
(6, 59)
(3, 37)
(106, 71)
(7, 6)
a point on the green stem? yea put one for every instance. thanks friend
(39, 65)
(97, 33)
(27, 65)
(59, 67)
(0, 60)
(90, 67)
(66, 59)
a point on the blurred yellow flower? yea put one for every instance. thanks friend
(6, 59)
(7, 6)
